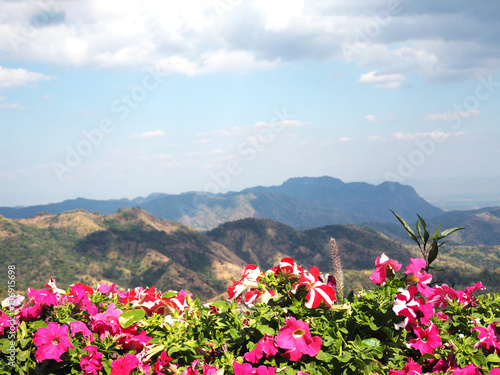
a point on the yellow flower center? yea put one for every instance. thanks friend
(298, 333)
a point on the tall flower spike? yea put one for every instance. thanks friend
(338, 272)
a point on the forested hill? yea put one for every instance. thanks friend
(133, 248)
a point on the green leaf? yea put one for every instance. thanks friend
(479, 359)
(424, 226)
(436, 233)
(169, 294)
(345, 357)
(493, 357)
(371, 342)
(220, 304)
(447, 232)
(323, 356)
(4, 345)
(425, 357)
(433, 253)
(127, 318)
(406, 226)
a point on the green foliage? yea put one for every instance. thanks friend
(428, 249)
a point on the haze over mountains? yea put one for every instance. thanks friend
(305, 202)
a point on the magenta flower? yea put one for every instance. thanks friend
(5, 322)
(383, 265)
(411, 368)
(43, 297)
(468, 370)
(265, 345)
(466, 297)
(209, 370)
(441, 295)
(247, 369)
(161, 364)
(124, 365)
(81, 327)
(91, 364)
(51, 342)
(488, 338)
(427, 340)
(107, 323)
(295, 337)
(415, 268)
(79, 295)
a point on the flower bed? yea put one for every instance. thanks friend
(285, 320)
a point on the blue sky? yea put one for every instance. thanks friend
(112, 99)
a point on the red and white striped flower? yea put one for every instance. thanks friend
(317, 290)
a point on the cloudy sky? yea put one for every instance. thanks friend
(111, 99)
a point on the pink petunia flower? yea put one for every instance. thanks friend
(427, 340)
(383, 265)
(124, 365)
(106, 323)
(411, 368)
(91, 364)
(51, 342)
(247, 369)
(296, 337)
(317, 291)
(466, 296)
(415, 268)
(161, 364)
(209, 370)
(5, 322)
(467, 370)
(441, 295)
(265, 345)
(79, 295)
(488, 337)
(81, 327)
(43, 297)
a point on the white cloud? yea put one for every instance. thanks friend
(245, 130)
(190, 37)
(440, 135)
(12, 106)
(451, 115)
(383, 81)
(151, 134)
(10, 78)
(203, 141)
(379, 118)
(345, 139)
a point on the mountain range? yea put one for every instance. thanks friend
(303, 203)
(133, 248)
